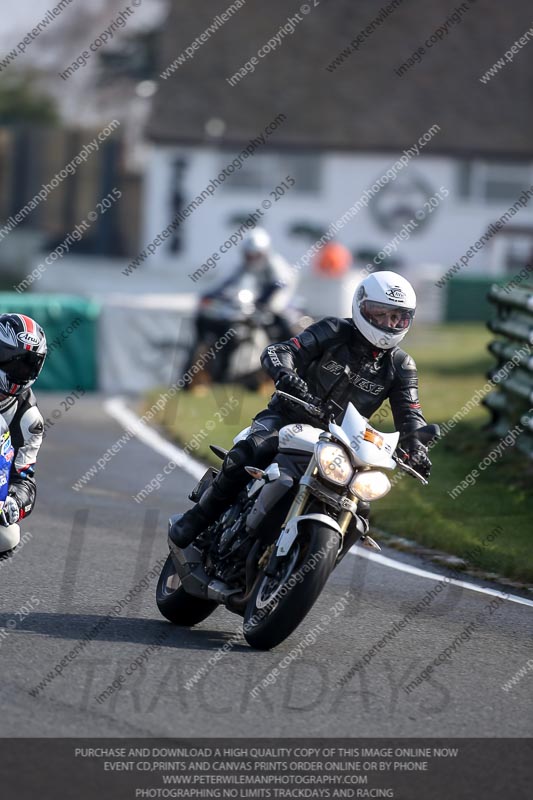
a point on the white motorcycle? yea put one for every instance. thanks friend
(269, 556)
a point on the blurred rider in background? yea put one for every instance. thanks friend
(264, 272)
(259, 288)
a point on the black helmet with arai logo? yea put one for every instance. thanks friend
(22, 353)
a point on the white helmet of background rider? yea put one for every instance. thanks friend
(257, 243)
(383, 308)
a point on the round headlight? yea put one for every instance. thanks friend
(334, 464)
(370, 485)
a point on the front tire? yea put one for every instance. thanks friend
(318, 544)
(173, 601)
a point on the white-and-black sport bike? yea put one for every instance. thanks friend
(269, 556)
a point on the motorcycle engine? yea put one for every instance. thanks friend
(233, 545)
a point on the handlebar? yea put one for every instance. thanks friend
(312, 408)
(397, 456)
(326, 412)
(425, 435)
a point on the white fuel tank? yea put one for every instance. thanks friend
(298, 437)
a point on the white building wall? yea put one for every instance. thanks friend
(451, 229)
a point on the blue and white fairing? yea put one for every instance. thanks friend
(6, 459)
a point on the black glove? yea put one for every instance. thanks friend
(291, 383)
(417, 458)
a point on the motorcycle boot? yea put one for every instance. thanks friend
(189, 526)
(216, 499)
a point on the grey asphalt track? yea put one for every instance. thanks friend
(89, 548)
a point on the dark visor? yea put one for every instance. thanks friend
(23, 367)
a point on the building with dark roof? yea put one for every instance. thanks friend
(353, 87)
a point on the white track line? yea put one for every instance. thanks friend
(424, 573)
(117, 408)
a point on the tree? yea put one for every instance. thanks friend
(21, 101)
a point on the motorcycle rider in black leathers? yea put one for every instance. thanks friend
(267, 277)
(22, 353)
(337, 361)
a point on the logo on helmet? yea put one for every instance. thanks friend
(28, 338)
(395, 293)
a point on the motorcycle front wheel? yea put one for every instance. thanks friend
(173, 601)
(279, 603)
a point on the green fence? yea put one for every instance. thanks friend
(70, 325)
(511, 404)
(467, 300)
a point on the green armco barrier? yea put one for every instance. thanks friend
(70, 324)
(467, 300)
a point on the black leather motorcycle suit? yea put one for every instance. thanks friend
(340, 365)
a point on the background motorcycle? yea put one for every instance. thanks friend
(269, 556)
(238, 361)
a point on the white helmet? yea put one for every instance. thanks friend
(257, 242)
(383, 308)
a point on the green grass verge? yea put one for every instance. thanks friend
(452, 361)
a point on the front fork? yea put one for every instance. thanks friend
(298, 507)
(302, 495)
